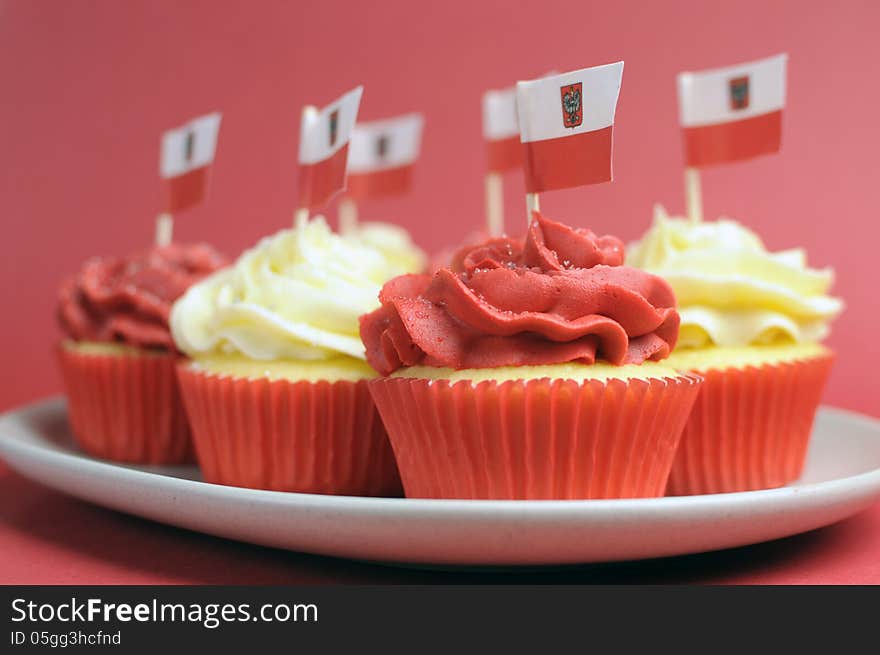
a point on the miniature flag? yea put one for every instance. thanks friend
(734, 113)
(566, 123)
(323, 149)
(501, 130)
(382, 155)
(185, 156)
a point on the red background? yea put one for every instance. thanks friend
(87, 87)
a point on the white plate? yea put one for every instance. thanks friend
(842, 477)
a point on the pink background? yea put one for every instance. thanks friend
(87, 87)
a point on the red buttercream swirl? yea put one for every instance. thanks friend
(559, 295)
(128, 300)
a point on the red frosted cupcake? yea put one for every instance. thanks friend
(118, 360)
(530, 369)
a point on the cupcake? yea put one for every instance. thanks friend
(751, 326)
(530, 369)
(276, 387)
(118, 359)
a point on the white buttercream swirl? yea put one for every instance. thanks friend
(295, 295)
(730, 290)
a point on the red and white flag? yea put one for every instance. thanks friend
(501, 130)
(735, 113)
(565, 125)
(323, 149)
(382, 155)
(185, 157)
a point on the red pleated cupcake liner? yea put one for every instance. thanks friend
(312, 437)
(126, 407)
(750, 427)
(535, 439)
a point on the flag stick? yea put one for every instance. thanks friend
(693, 197)
(532, 205)
(164, 229)
(348, 216)
(300, 217)
(494, 204)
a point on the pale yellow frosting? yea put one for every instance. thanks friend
(296, 295)
(730, 290)
(393, 242)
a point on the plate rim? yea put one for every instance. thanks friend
(419, 505)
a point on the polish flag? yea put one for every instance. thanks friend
(323, 148)
(501, 130)
(565, 126)
(185, 157)
(382, 155)
(735, 113)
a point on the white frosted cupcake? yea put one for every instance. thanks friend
(276, 385)
(751, 326)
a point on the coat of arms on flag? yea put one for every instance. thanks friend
(739, 92)
(188, 146)
(572, 114)
(334, 126)
(382, 146)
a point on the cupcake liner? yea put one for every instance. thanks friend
(312, 437)
(126, 407)
(535, 439)
(749, 428)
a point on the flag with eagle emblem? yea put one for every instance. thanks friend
(185, 156)
(731, 114)
(382, 156)
(565, 126)
(323, 149)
